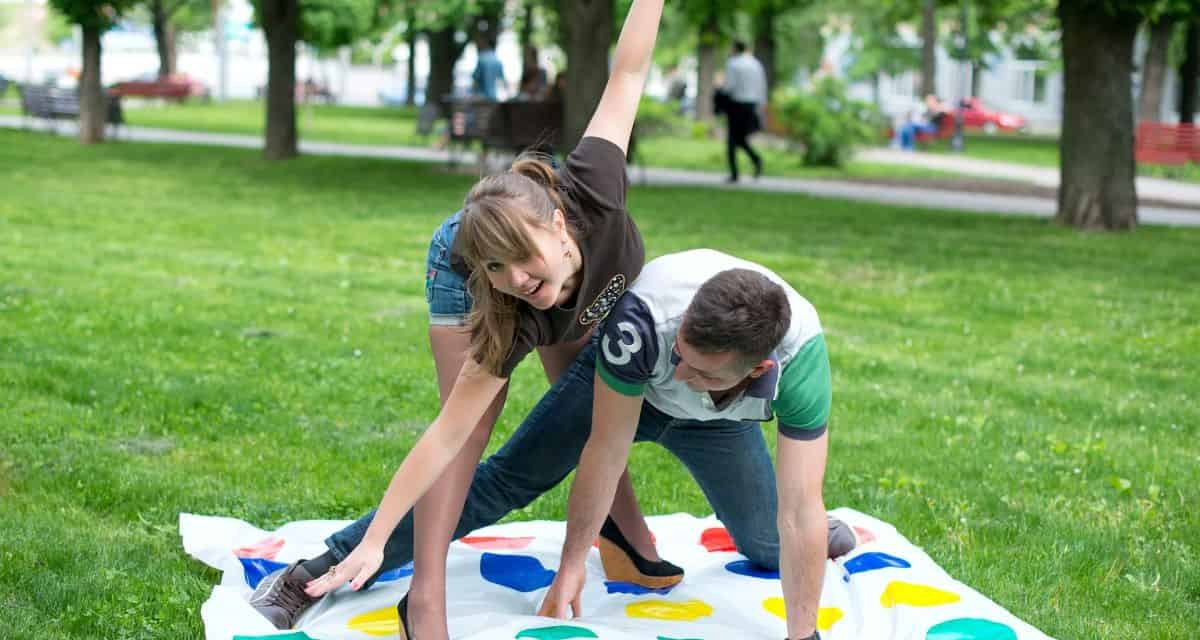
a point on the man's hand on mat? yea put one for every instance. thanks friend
(358, 567)
(563, 597)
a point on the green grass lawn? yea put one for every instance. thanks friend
(373, 125)
(187, 329)
(328, 123)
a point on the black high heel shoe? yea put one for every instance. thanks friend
(402, 611)
(624, 564)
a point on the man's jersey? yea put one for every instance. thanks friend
(637, 350)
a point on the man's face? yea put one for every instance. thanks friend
(703, 372)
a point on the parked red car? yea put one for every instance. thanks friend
(178, 87)
(977, 116)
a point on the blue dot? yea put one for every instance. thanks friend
(751, 570)
(255, 569)
(873, 561)
(396, 574)
(521, 573)
(634, 589)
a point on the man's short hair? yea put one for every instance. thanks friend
(740, 311)
(739, 46)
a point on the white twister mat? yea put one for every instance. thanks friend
(886, 589)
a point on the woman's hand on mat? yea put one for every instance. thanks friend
(357, 568)
(563, 597)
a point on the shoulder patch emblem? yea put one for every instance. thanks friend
(604, 302)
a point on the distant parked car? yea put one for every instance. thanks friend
(177, 87)
(977, 116)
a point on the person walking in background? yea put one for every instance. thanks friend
(745, 94)
(488, 71)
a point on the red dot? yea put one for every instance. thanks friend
(717, 539)
(864, 536)
(493, 543)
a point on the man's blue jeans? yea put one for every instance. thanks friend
(728, 458)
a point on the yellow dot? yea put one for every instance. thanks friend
(914, 595)
(664, 610)
(382, 622)
(826, 616)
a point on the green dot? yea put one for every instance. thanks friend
(970, 629)
(560, 632)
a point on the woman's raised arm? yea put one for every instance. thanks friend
(613, 119)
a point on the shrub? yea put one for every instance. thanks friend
(825, 122)
(655, 118)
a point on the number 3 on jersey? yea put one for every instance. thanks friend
(629, 344)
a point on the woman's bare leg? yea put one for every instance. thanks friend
(436, 514)
(556, 359)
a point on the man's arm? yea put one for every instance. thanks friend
(614, 424)
(803, 529)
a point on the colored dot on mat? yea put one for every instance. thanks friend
(496, 543)
(266, 548)
(826, 616)
(872, 561)
(560, 632)
(664, 610)
(666, 638)
(717, 539)
(614, 586)
(381, 622)
(971, 629)
(914, 595)
(751, 570)
(520, 573)
(396, 574)
(864, 535)
(255, 569)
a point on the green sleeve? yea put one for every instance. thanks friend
(805, 392)
(615, 383)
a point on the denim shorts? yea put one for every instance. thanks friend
(445, 289)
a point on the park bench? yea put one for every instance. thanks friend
(512, 126)
(53, 104)
(1161, 143)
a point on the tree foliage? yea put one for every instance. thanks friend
(92, 14)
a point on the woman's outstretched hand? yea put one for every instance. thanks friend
(357, 568)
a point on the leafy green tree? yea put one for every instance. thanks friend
(323, 24)
(1097, 185)
(168, 19)
(93, 18)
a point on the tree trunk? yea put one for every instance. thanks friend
(976, 78)
(164, 38)
(443, 53)
(91, 90)
(589, 34)
(1189, 69)
(1154, 68)
(526, 35)
(1097, 189)
(410, 70)
(280, 24)
(928, 47)
(764, 44)
(706, 68)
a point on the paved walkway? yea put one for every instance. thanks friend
(1184, 193)
(922, 197)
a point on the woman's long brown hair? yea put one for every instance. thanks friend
(497, 215)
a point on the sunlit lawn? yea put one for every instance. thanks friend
(187, 329)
